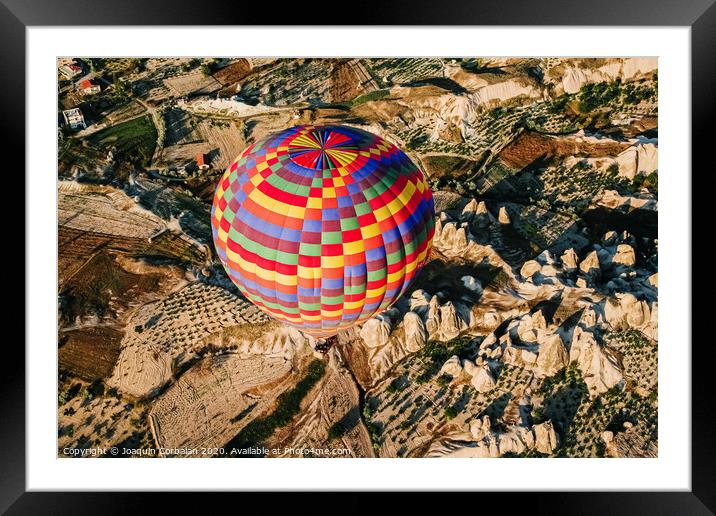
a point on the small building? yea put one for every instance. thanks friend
(202, 162)
(74, 118)
(89, 87)
(70, 70)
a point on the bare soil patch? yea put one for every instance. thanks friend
(89, 353)
(530, 147)
(192, 84)
(234, 72)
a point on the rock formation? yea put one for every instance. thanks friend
(640, 159)
(625, 311)
(504, 217)
(590, 265)
(546, 440)
(415, 334)
(569, 259)
(624, 255)
(599, 368)
(376, 331)
(483, 380)
(553, 356)
(530, 268)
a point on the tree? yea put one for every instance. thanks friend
(120, 86)
(96, 65)
(444, 379)
(137, 65)
(336, 431)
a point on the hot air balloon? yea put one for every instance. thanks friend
(322, 227)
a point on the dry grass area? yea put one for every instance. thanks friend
(194, 83)
(216, 398)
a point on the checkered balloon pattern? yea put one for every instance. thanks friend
(322, 226)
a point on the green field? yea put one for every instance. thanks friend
(133, 140)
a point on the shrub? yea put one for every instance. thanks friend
(336, 431)
(444, 379)
(394, 386)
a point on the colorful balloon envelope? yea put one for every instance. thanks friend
(322, 226)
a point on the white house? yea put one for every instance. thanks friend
(74, 118)
(70, 70)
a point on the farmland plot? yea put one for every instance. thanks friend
(108, 219)
(163, 336)
(99, 214)
(89, 353)
(188, 135)
(331, 417)
(193, 84)
(216, 398)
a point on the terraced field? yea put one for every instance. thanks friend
(165, 335)
(215, 399)
(90, 223)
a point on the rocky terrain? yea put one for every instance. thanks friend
(531, 332)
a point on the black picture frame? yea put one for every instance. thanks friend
(700, 15)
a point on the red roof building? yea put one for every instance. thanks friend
(70, 70)
(89, 87)
(202, 162)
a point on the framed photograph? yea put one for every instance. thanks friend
(426, 257)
